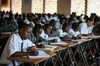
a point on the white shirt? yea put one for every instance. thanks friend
(44, 35)
(59, 33)
(73, 33)
(84, 29)
(13, 45)
(58, 25)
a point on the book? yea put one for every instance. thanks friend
(52, 38)
(48, 48)
(41, 54)
(60, 43)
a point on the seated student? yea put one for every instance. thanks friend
(62, 33)
(74, 32)
(18, 45)
(46, 32)
(60, 23)
(86, 28)
(52, 23)
(35, 36)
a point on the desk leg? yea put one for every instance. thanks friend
(58, 57)
(36, 65)
(72, 58)
(13, 62)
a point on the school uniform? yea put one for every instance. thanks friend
(35, 39)
(58, 25)
(13, 45)
(84, 29)
(44, 35)
(59, 33)
(73, 33)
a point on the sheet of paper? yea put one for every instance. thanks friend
(51, 38)
(41, 54)
(48, 47)
(6, 32)
(60, 43)
(79, 40)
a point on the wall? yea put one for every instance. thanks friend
(26, 8)
(0, 4)
(64, 7)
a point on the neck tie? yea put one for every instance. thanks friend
(22, 47)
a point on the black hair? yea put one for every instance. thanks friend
(89, 19)
(75, 25)
(65, 25)
(46, 26)
(22, 24)
(37, 26)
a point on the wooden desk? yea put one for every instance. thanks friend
(4, 36)
(31, 61)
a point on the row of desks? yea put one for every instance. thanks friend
(52, 53)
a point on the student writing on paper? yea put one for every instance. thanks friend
(18, 45)
(74, 32)
(62, 33)
(46, 32)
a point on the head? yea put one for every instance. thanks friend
(66, 27)
(47, 28)
(89, 22)
(62, 20)
(75, 26)
(37, 30)
(24, 30)
(52, 22)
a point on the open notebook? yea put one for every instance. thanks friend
(48, 48)
(41, 54)
(60, 43)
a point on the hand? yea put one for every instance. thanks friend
(41, 46)
(31, 49)
(35, 53)
(54, 40)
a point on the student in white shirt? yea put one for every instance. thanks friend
(85, 28)
(74, 32)
(18, 45)
(62, 32)
(60, 23)
(46, 32)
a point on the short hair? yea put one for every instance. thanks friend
(37, 26)
(65, 25)
(75, 25)
(89, 19)
(46, 26)
(23, 25)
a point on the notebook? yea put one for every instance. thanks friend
(41, 54)
(60, 43)
(48, 48)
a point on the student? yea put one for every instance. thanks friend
(60, 23)
(62, 33)
(36, 38)
(18, 45)
(86, 28)
(46, 32)
(74, 32)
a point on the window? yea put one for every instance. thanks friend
(5, 5)
(50, 6)
(93, 6)
(37, 6)
(78, 6)
(17, 6)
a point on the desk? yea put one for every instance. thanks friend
(31, 61)
(4, 36)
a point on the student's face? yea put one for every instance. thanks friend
(48, 30)
(90, 23)
(26, 32)
(77, 29)
(38, 32)
(62, 21)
